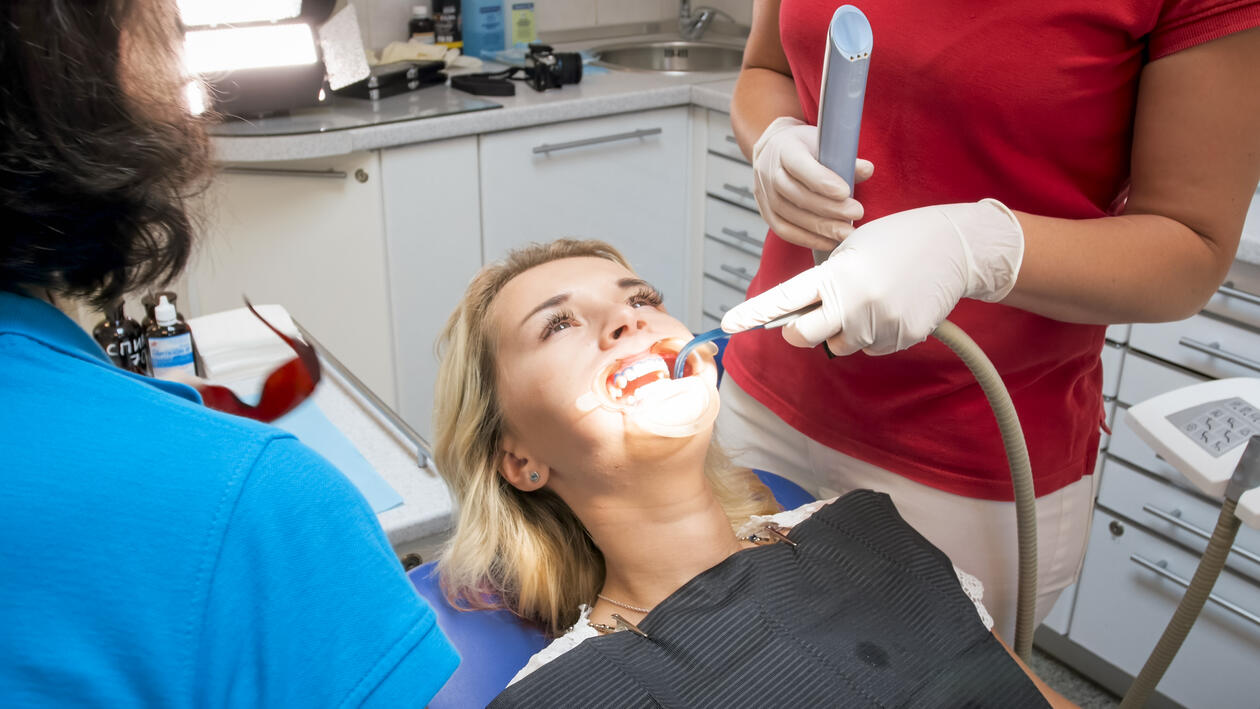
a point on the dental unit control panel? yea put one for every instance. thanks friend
(1202, 430)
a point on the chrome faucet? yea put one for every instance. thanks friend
(692, 27)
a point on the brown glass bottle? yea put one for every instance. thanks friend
(123, 340)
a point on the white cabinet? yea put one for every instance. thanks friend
(307, 235)
(1130, 585)
(1150, 522)
(734, 232)
(433, 237)
(621, 179)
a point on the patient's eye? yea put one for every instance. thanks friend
(557, 321)
(646, 296)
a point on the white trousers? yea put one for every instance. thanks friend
(978, 535)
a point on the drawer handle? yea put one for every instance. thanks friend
(1232, 608)
(729, 284)
(743, 192)
(731, 139)
(1174, 518)
(1228, 289)
(286, 172)
(631, 135)
(744, 236)
(738, 272)
(1214, 350)
(718, 315)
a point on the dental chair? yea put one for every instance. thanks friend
(494, 645)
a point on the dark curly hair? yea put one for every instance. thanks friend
(99, 155)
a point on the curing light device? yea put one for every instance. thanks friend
(845, 67)
(846, 63)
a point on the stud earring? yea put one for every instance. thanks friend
(533, 477)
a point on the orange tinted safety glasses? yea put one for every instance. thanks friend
(285, 388)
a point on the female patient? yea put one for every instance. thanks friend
(593, 500)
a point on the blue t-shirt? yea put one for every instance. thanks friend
(154, 552)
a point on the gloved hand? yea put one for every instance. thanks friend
(893, 280)
(803, 201)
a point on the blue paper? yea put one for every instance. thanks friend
(314, 429)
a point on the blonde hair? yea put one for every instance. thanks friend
(526, 552)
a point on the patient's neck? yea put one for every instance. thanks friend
(657, 539)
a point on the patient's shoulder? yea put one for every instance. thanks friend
(757, 524)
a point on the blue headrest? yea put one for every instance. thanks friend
(494, 645)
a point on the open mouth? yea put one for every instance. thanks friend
(631, 379)
(642, 388)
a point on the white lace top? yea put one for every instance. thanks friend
(756, 524)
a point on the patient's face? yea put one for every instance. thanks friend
(566, 326)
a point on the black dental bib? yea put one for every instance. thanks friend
(862, 611)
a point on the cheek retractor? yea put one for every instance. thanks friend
(641, 390)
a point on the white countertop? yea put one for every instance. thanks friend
(597, 94)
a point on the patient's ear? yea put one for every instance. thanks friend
(520, 468)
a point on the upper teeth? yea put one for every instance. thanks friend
(640, 368)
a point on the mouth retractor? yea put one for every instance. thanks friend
(642, 389)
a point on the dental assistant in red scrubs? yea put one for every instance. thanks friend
(1040, 170)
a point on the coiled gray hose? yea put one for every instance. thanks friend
(1021, 475)
(1188, 610)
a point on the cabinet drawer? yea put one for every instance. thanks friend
(1122, 608)
(1151, 502)
(709, 323)
(717, 297)
(1112, 359)
(722, 138)
(1231, 349)
(1118, 333)
(622, 179)
(730, 264)
(1126, 445)
(730, 180)
(734, 225)
(1144, 378)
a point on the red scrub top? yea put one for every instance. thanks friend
(1026, 101)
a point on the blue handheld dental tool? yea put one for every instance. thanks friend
(845, 66)
(718, 333)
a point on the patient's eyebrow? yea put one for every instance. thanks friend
(551, 302)
(633, 283)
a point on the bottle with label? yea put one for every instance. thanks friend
(123, 340)
(150, 302)
(170, 344)
(421, 27)
(483, 27)
(448, 24)
(524, 29)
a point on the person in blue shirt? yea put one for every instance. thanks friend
(154, 552)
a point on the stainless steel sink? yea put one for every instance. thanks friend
(676, 56)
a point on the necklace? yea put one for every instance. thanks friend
(619, 604)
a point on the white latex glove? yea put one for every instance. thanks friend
(895, 279)
(804, 202)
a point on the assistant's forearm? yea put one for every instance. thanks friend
(1130, 268)
(761, 95)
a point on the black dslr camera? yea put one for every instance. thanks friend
(545, 69)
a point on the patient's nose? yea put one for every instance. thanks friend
(623, 323)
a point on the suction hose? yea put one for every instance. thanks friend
(1188, 610)
(1021, 474)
